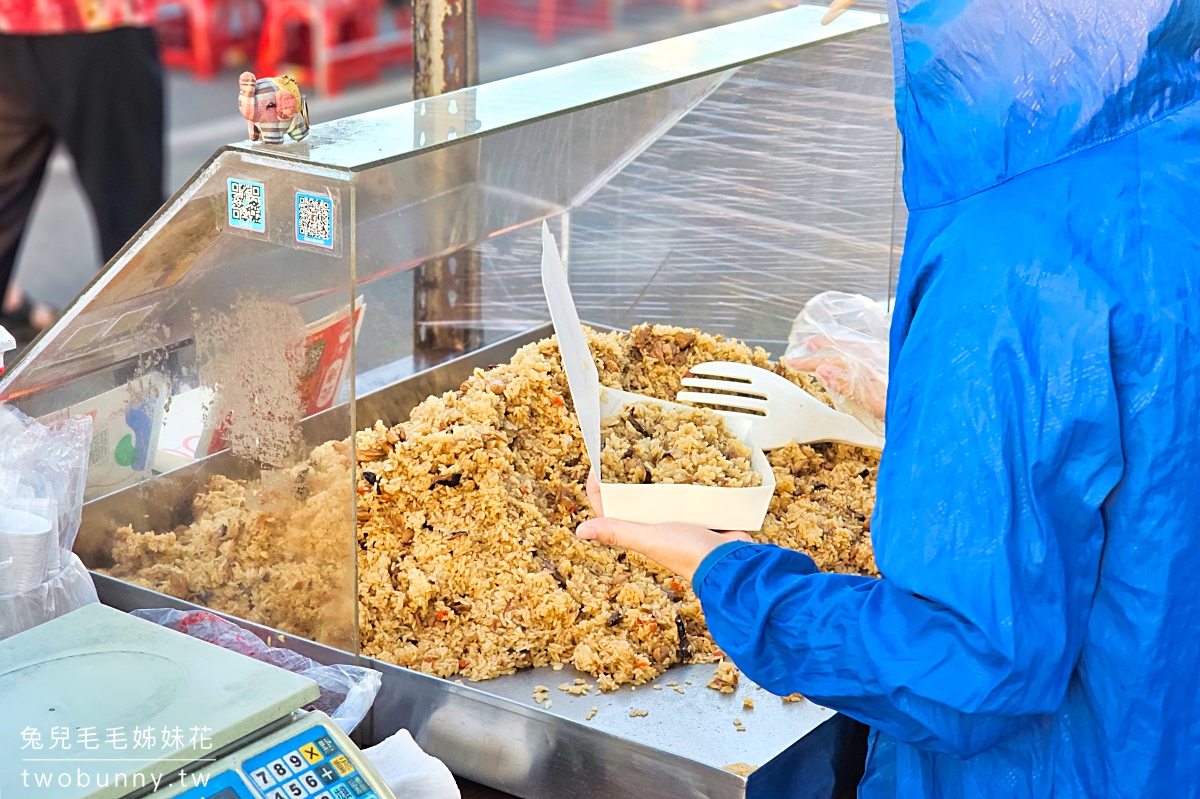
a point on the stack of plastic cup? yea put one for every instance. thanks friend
(28, 546)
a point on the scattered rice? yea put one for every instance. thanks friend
(636, 713)
(741, 769)
(578, 688)
(747, 704)
(467, 560)
(725, 678)
(792, 698)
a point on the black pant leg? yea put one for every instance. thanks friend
(26, 140)
(111, 119)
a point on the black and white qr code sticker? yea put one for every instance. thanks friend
(314, 219)
(246, 205)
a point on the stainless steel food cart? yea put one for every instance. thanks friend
(716, 180)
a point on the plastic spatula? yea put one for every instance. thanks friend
(782, 411)
(582, 376)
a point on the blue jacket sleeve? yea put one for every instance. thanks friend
(1003, 442)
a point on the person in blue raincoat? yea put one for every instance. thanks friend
(1036, 631)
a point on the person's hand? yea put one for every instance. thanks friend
(844, 369)
(836, 9)
(677, 547)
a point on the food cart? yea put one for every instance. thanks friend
(287, 297)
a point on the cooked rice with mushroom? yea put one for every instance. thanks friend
(467, 559)
(648, 443)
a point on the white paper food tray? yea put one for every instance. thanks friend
(714, 507)
(708, 506)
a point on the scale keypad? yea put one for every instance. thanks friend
(307, 766)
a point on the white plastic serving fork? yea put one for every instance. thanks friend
(782, 411)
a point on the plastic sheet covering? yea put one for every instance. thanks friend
(68, 589)
(1033, 634)
(726, 223)
(347, 692)
(782, 184)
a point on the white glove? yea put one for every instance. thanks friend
(843, 340)
(408, 771)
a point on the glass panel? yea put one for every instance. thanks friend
(391, 133)
(199, 353)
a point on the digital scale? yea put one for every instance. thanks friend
(101, 705)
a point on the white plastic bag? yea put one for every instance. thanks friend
(347, 692)
(408, 771)
(843, 340)
(43, 471)
(70, 588)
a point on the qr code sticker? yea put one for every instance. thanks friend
(312, 358)
(314, 219)
(246, 200)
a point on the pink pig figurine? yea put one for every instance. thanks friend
(273, 107)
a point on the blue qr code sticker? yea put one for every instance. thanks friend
(246, 205)
(314, 219)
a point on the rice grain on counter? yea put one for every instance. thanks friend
(467, 560)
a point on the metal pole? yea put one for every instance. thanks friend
(445, 52)
(446, 290)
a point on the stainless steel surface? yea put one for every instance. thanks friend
(494, 734)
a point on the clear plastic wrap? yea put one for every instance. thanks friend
(843, 340)
(68, 589)
(43, 471)
(347, 692)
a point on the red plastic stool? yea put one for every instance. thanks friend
(198, 35)
(547, 17)
(333, 42)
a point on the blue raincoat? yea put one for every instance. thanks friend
(1036, 632)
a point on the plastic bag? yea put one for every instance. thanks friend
(843, 340)
(7, 344)
(347, 692)
(43, 471)
(409, 771)
(68, 589)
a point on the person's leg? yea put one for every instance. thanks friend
(110, 115)
(26, 140)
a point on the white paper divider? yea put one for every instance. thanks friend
(577, 358)
(714, 507)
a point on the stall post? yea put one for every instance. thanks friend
(446, 318)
